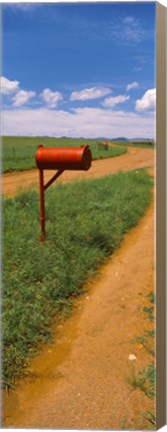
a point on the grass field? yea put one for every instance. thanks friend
(85, 222)
(18, 153)
(137, 144)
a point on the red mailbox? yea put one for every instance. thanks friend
(72, 158)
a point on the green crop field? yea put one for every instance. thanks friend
(85, 222)
(18, 153)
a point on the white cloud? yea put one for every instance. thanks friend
(128, 30)
(23, 6)
(89, 93)
(147, 102)
(8, 87)
(22, 97)
(129, 20)
(112, 101)
(85, 122)
(51, 98)
(132, 85)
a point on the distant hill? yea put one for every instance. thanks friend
(120, 139)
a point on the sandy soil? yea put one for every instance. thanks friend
(80, 381)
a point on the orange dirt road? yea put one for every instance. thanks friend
(135, 158)
(80, 380)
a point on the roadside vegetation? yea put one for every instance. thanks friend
(137, 144)
(18, 153)
(85, 223)
(145, 379)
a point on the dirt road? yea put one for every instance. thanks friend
(80, 381)
(135, 158)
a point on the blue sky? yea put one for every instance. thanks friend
(79, 69)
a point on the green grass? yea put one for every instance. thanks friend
(148, 338)
(150, 419)
(18, 153)
(85, 222)
(137, 144)
(145, 379)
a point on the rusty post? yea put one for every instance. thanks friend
(42, 205)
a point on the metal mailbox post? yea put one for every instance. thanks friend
(60, 159)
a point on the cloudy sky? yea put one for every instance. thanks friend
(79, 70)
